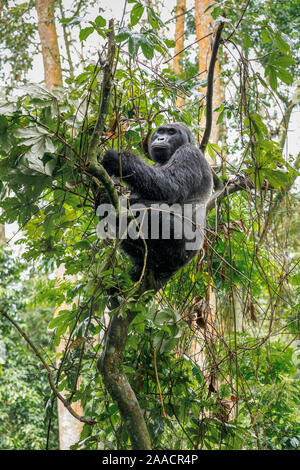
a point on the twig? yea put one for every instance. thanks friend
(238, 23)
(187, 47)
(93, 166)
(105, 96)
(231, 187)
(158, 384)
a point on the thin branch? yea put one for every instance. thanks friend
(158, 384)
(287, 115)
(187, 47)
(239, 183)
(238, 23)
(65, 402)
(281, 195)
(209, 93)
(93, 166)
(105, 96)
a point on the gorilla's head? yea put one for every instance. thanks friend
(166, 139)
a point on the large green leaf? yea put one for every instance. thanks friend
(136, 13)
(85, 33)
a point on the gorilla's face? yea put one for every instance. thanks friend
(166, 139)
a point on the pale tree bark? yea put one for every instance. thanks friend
(69, 427)
(179, 44)
(49, 43)
(2, 234)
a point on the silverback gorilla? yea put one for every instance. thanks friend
(180, 177)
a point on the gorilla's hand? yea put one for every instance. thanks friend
(111, 162)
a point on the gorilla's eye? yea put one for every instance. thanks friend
(172, 131)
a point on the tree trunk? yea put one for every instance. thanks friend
(179, 44)
(69, 427)
(49, 42)
(2, 234)
(111, 369)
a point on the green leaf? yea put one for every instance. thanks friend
(168, 345)
(247, 41)
(133, 45)
(147, 49)
(83, 77)
(220, 117)
(216, 147)
(153, 19)
(169, 43)
(282, 45)
(210, 150)
(136, 14)
(283, 61)
(100, 22)
(216, 12)
(3, 124)
(84, 33)
(277, 178)
(123, 34)
(164, 316)
(176, 331)
(37, 91)
(7, 108)
(262, 81)
(265, 36)
(62, 317)
(284, 76)
(273, 78)
(31, 131)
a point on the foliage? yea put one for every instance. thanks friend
(17, 50)
(24, 386)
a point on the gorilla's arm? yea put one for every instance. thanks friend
(186, 174)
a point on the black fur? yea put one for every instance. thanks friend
(180, 175)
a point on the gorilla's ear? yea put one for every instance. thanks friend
(190, 135)
(187, 132)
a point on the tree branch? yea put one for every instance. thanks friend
(287, 115)
(209, 93)
(93, 166)
(105, 96)
(240, 183)
(116, 382)
(65, 402)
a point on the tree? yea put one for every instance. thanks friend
(49, 42)
(51, 147)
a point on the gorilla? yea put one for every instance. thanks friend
(179, 183)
